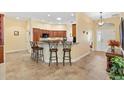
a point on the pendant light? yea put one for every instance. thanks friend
(101, 20)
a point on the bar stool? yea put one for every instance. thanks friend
(37, 51)
(53, 45)
(67, 49)
(33, 53)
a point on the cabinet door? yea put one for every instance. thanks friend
(1, 39)
(64, 34)
(34, 35)
(1, 54)
(51, 33)
(74, 30)
(59, 34)
(1, 29)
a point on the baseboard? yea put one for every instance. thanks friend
(13, 51)
(77, 59)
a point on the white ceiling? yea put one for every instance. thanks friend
(96, 15)
(66, 17)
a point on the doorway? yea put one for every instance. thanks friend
(104, 34)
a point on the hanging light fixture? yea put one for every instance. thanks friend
(101, 20)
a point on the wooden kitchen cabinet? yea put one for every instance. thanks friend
(1, 29)
(1, 54)
(37, 33)
(74, 30)
(1, 39)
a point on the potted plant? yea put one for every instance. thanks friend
(117, 69)
(113, 44)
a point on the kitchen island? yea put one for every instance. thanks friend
(45, 45)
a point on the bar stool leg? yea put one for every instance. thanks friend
(56, 59)
(42, 55)
(50, 59)
(33, 54)
(70, 58)
(37, 55)
(64, 59)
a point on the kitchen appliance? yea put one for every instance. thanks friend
(45, 35)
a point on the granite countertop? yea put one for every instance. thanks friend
(47, 41)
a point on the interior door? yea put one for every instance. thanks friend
(103, 37)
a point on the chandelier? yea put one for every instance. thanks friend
(100, 23)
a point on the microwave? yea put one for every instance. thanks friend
(45, 35)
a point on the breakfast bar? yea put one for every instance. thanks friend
(45, 45)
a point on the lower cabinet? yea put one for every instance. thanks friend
(1, 54)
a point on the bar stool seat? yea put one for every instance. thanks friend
(37, 51)
(38, 48)
(67, 49)
(53, 49)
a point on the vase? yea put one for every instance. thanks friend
(112, 48)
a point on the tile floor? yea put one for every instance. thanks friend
(20, 66)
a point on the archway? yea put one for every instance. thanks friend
(105, 33)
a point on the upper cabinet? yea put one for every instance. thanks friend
(38, 33)
(1, 29)
(74, 30)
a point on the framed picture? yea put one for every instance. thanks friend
(16, 33)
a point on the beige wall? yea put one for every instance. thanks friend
(80, 49)
(14, 43)
(21, 42)
(116, 22)
(84, 23)
(113, 20)
(47, 26)
(2, 71)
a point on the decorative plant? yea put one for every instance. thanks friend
(117, 69)
(114, 43)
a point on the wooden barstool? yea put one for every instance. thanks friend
(37, 52)
(33, 53)
(53, 48)
(67, 49)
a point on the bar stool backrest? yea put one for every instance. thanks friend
(67, 45)
(53, 44)
(33, 44)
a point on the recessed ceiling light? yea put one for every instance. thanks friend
(72, 14)
(58, 18)
(49, 15)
